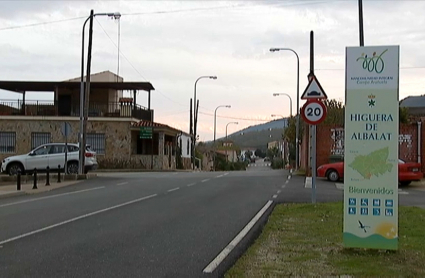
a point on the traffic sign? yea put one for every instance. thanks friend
(314, 90)
(313, 112)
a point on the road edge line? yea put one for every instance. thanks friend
(226, 251)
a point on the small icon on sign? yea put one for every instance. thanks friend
(388, 212)
(376, 211)
(364, 202)
(376, 202)
(314, 93)
(363, 226)
(352, 201)
(388, 203)
(351, 210)
(364, 211)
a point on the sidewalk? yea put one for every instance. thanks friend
(9, 188)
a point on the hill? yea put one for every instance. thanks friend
(259, 135)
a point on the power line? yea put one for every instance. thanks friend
(128, 61)
(41, 23)
(234, 118)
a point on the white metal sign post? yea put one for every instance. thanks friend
(313, 113)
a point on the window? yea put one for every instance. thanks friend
(7, 142)
(40, 138)
(72, 148)
(187, 149)
(96, 141)
(42, 150)
(55, 149)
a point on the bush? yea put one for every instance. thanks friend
(277, 163)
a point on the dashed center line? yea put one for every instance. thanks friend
(287, 182)
(174, 189)
(274, 196)
(219, 176)
(205, 180)
(289, 177)
(191, 184)
(278, 192)
(225, 174)
(122, 183)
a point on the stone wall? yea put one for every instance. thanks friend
(117, 134)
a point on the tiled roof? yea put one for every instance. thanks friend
(153, 124)
(413, 101)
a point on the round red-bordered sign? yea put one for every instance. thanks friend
(313, 112)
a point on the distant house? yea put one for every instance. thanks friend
(415, 104)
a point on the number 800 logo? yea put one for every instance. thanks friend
(313, 112)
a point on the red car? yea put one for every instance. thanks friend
(407, 171)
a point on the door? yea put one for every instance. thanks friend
(38, 158)
(64, 105)
(56, 157)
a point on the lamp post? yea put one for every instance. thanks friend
(81, 140)
(195, 116)
(297, 128)
(226, 135)
(215, 125)
(290, 101)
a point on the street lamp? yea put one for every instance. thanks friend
(215, 121)
(290, 101)
(297, 128)
(195, 116)
(115, 15)
(226, 136)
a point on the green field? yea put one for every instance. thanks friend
(306, 240)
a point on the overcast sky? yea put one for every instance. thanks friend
(172, 43)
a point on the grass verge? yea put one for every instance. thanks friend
(306, 240)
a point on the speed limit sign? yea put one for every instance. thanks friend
(313, 112)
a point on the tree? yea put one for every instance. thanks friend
(259, 153)
(335, 112)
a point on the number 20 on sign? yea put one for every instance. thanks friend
(313, 112)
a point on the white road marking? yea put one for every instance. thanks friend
(205, 180)
(51, 196)
(75, 219)
(287, 182)
(219, 176)
(225, 174)
(289, 177)
(339, 185)
(122, 183)
(308, 182)
(223, 254)
(278, 192)
(190, 184)
(274, 196)
(174, 189)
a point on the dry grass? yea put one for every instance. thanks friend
(305, 240)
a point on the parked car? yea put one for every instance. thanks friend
(407, 171)
(49, 155)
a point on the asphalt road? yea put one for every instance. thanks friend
(173, 224)
(133, 224)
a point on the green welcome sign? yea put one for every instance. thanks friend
(145, 133)
(371, 147)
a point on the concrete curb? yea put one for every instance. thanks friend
(12, 194)
(42, 177)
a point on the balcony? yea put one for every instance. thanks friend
(122, 109)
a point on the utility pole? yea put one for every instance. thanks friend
(361, 23)
(87, 91)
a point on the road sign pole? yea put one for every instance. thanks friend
(313, 164)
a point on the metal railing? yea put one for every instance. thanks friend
(58, 108)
